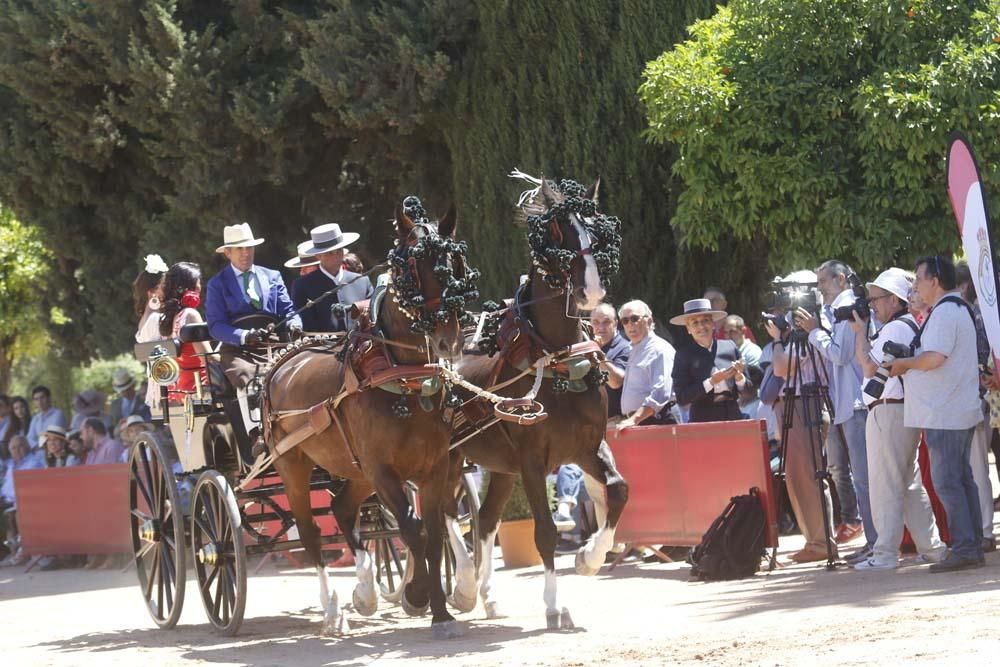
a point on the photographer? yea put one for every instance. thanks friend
(803, 449)
(835, 342)
(942, 398)
(897, 493)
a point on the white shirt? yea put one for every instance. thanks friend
(339, 278)
(948, 396)
(648, 381)
(896, 331)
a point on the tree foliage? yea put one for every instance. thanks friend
(822, 126)
(130, 128)
(24, 267)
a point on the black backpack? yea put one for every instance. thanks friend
(733, 546)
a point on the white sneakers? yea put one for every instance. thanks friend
(872, 564)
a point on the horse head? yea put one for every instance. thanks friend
(431, 278)
(575, 247)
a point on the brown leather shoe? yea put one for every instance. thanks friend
(848, 531)
(808, 555)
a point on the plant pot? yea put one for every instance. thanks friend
(517, 543)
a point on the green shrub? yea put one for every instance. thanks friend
(518, 507)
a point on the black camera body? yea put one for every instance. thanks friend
(890, 351)
(788, 297)
(861, 306)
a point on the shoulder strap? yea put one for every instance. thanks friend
(951, 298)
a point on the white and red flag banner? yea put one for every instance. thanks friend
(966, 193)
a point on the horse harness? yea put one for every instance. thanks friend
(367, 364)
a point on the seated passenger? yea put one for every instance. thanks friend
(182, 296)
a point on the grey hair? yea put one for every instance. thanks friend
(640, 308)
(605, 308)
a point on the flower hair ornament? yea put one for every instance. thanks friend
(190, 299)
(155, 264)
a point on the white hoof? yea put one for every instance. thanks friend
(447, 630)
(552, 619)
(334, 625)
(565, 620)
(584, 568)
(365, 605)
(392, 597)
(493, 610)
(412, 610)
(461, 602)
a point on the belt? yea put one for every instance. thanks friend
(885, 401)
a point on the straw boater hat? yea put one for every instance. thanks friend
(698, 307)
(89, 402)
(55, 431)
(121, 380)
(238, 236)
(326, 238)
(134, 419)
(302, 260)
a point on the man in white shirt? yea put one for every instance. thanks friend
(648, 386)
(897, 492)
(45, 417)
(942, 398)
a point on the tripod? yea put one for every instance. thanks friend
(811, 398)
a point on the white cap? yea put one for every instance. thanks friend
(895, 281)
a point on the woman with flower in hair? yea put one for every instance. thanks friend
(147, 295)
(182, 296)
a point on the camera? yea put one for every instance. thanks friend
(891, 351)
(860, 306)
(789, 296)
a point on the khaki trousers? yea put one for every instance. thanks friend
(897, 491)
(801, 464)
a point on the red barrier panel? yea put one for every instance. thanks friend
(682, 477)
(75, 510)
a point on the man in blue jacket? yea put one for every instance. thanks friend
(236, 296)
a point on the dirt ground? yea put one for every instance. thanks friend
(637, 614)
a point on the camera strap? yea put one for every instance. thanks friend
(951, 298)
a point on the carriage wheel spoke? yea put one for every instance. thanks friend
(170, 579)
(206, 586)
(144, 480)
(205, 529)
(140, 515)
(145, 550)
(218, 595)
(154, 570)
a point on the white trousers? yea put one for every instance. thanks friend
(980, 463)
(897, 493)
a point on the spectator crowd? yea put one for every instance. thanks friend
(96, 433)
(877, 397)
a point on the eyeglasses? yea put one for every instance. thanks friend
(873, 299)
(633, 319)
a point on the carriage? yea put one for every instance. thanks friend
(197, 502)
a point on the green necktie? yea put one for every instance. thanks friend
(254, 299)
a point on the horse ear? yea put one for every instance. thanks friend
(549, 195)
(592, 192)
(403, 223)
(446, 226)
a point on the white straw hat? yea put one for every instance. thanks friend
(238, 236)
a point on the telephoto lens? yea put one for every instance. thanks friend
(890, 352)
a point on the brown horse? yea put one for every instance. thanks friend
(365, 439)
(566, 237)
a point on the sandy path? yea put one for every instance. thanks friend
(638, 614)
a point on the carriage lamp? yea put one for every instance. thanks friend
(163, 369)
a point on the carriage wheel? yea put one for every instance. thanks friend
(219, 554)
(468, 519)
(156, 521)
(390, 571)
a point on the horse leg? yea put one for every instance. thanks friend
(497, 495)
(416, 591)
(464, 596)
(432, 499)
(545, 541)
(296, 474)
(609, 491)
(345, 509)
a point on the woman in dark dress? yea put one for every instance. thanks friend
(707, 373)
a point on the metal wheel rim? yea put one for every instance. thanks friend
(159, 559)
(469, 520)
(219, 553)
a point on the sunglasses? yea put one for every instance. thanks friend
(633, 319)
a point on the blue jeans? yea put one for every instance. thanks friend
(839, 464)
(952, 476)
(857, 449)
(569, 479)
